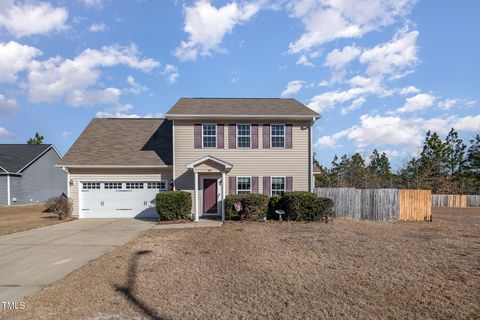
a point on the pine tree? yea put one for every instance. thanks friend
(38, 139)
(454, 153)
(473, 155)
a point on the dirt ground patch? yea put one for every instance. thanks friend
(24, 217)
(340, 270)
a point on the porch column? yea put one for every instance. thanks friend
(223, 195)
(196, 196)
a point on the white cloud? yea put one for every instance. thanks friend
(394, 57)
(338, 59)
(418, 102)
(120, 111)
(327, 20)
(447, 104)
(293, 87)
(7, 106)
(72, 79)
(409, 90)
(208, 25)
(98, 27)
(94, 3)
(303, 60)
(29, 18)
(171, 72)
(15, 57)
(468, 123)
(376, 130)
(4, 133)
(356, 104)
(66, 134)
(360, 87)
(135, 88)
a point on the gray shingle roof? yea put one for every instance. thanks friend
(123, 142)
(240, 107)
(13, 157)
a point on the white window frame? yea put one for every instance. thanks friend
(251, 181)
(87, 185)
(249, 136)
(135, 184)
(284, 135)
(284, 184)
(216, 135)
(114, 183)
(150, 185)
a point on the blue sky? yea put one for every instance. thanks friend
(380, 72)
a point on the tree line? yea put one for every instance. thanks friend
(443, 166)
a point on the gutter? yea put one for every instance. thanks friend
(111, 166)
(240, 116)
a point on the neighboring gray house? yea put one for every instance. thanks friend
(28, 173)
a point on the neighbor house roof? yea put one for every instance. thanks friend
(15, 157)
(122, 142)
(239, 107)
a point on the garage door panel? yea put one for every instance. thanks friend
(118, 203)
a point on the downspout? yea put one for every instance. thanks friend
(310, 167)
(173, 154)
(8, 189)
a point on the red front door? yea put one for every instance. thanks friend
(210, 196)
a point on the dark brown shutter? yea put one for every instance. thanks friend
(288, 136)
(266, 186)
(220, 139)
(266, 136)
(254, 184)
(254, 136)
(232, 136)
(232, 185)
(197, 141)
(289, 184)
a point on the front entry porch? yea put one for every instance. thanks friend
(209, 190)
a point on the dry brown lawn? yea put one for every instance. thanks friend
(340, 270)
(24, 217)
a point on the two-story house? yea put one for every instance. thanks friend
(209, 147)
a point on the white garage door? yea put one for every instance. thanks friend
(119, 199)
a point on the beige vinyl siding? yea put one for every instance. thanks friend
(246, 161)
(84, 174)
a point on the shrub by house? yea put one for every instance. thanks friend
(306, 206)
(254, 206)
(174, 205)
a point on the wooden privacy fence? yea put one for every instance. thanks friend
(455, 200)
(379, 204)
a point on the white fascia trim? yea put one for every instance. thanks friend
(239, 116)
(196, 162)
(112, 166)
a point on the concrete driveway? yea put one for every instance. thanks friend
(33, 259)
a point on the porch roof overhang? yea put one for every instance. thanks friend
(226, 166)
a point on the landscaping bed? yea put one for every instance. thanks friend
(274, 270)
(24, 217)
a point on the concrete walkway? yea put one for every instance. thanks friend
(202, 223)
(33, 259)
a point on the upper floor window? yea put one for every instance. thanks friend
(209, 135)
(243, 135)
(244, 185)
(278, 135)
(278, 186)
